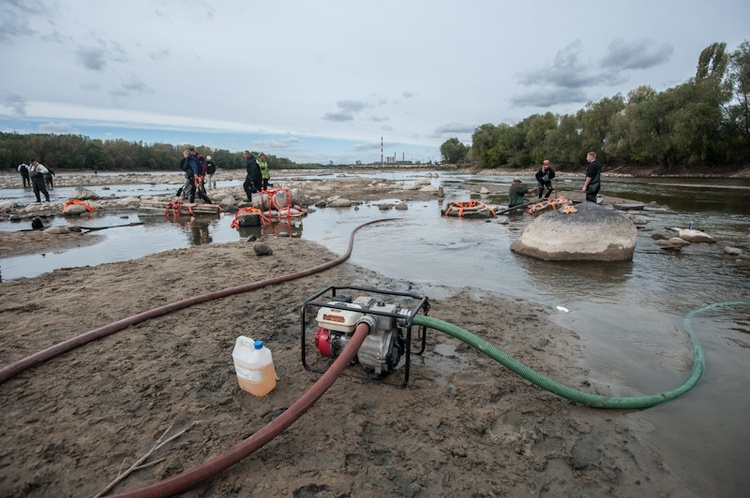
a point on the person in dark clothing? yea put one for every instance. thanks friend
(254, 178)
(210, 170)
(193, 172)
(544, 178)
(24, 170)
(593, 182)
(36, 172)
(517, 193)
(48, 178)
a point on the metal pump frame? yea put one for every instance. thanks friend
(422, 304)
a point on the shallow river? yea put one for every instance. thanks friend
(629, 315)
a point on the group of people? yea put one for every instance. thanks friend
(256, 179)
(200, 174)
(195, 167)
(544, 177)
(37, 177)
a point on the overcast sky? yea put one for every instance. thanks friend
(320, 81)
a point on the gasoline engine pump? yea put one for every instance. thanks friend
(390, 336)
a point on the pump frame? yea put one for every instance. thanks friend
(422, 304)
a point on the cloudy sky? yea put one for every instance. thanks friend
(320, 81)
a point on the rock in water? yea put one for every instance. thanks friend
(594, 233)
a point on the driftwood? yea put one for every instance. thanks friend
(138, 465)
(93, 229)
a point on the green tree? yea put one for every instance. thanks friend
(453, 151)
(738, 108)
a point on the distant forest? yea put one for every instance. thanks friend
(703, 123)
(79, 152)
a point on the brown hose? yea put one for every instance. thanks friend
(220, 463)
(62, 347)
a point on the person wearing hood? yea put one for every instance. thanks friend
(254, 178)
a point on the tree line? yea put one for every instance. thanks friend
(704, 122)
(79, 152)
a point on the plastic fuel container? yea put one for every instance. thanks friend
(253, 364)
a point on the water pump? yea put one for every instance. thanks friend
(386, 348)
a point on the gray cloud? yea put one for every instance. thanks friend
(15, 14)
(567, 78)
(453, 128)
(407, 95)
(160, 54)
(338, 116)
(549, 98)
(347, 110)
(637, 54)
(566, 70)
(133, 84)
(96, 57)
(13, 101)
(379, 119)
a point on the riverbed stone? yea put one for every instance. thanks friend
(695, 236)
(593, 233)
(83, 194)
(262, 249)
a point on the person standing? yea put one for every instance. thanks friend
(193, 171)
(36, 172)
(517, 193)
(253, 179)
(263, 165)
(544, 178)
(210, 170)
(23, 168)
(48, 178)
(593, 182)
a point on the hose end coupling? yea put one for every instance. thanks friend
(370, 321)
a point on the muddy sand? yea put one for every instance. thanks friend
(463, 426)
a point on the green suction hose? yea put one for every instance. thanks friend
(595, 400)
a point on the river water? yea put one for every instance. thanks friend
(629, 315)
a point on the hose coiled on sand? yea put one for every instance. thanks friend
(584, 398)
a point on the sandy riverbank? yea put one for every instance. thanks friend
(463, 426)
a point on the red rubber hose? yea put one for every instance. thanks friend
(220, 463)
(60, 348)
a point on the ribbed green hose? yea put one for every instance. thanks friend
(595, 400)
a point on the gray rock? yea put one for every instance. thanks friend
(594, 233)
(339, 202)
(695, 236)
(677, 241)
(57, 230)
(83, 194)
(733, 251)
(262, 249)
(228, 201)
(402, 206)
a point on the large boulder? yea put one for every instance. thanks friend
(83, 194)
(594, 233)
